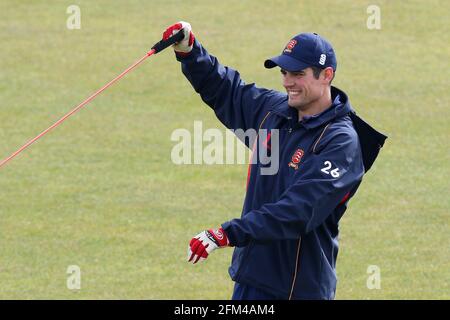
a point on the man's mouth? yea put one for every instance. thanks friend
(294, 93)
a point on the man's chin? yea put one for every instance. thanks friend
(295, 104)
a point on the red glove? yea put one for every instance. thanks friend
(206, 242)
(184, 46)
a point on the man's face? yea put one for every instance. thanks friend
(302, 88)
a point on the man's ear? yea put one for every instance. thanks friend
(328, 74)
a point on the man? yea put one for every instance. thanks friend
(286, 241)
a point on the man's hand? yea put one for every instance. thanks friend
(185, 46)
(206, 242)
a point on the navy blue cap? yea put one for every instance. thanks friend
(303, 51)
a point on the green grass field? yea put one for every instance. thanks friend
(102, 193)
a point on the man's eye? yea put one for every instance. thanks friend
(297, 74)
(283, 72)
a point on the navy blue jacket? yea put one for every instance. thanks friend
(286, 241)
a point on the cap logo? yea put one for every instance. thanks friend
(290, 46)
(323, 58)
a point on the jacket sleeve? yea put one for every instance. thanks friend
(321, 183)
(236, 104)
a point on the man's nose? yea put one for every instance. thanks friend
(288, 81)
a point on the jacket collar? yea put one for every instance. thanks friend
(339, 108)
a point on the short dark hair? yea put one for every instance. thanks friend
(316, 72)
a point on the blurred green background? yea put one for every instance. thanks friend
(102, 193)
